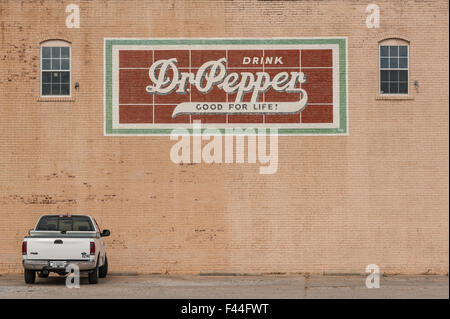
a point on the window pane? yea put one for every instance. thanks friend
(65, 52)
(384, 75)
(56, 64)
(65, 65)
(56, 89)
(46, 64)
(46, 89)
(65, 89)
(56, 77)
(403, 50)
(48, 223)
(403, 87)
(384, 87)
(56, 52)
(384, 63)
(393, 87)
(46, 52)
(393, 62)
(74, 223)
(384, 50)
(56, 59)
(65, 77)
(46, 77)
(393, 76)
(403, 63)
(403, 76)
(393, 80)
(393, 50)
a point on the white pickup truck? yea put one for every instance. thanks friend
(60, 240)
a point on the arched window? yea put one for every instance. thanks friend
(55, 68)
(394, 66)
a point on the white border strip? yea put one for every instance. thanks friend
(115, 86)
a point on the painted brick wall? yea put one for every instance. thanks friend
(137, 106)
(336, 204)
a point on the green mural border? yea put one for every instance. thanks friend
(340, 41)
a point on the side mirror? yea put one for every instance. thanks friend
(105, 233)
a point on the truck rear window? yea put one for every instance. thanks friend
(72, 223)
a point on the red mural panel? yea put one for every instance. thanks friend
(132, 86)
(163, 114)
(317, 58)
(135, 114)
(136, 105)
(135, 58)
(319, 85)
(282, 58)
(199, 57)
(317, 114)
(182, 56)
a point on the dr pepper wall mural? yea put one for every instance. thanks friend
(298, 86)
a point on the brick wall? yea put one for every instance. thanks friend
(336, 204)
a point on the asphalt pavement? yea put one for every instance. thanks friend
(193, 287)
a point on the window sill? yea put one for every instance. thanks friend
(56, 99)
(394, 97)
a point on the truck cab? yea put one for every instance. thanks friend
(58, 241)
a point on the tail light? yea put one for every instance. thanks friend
(92, 248)
(24, 248)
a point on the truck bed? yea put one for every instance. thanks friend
(52, 245)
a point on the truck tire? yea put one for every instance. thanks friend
(30, 276)
(93, 275)
(103, 270)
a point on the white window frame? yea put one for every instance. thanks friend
(394, 42)
(55, 43)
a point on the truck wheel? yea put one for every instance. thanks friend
(103, 270)
(93, 275)
(30, 276)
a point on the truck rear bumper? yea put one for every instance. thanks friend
(45, 265)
